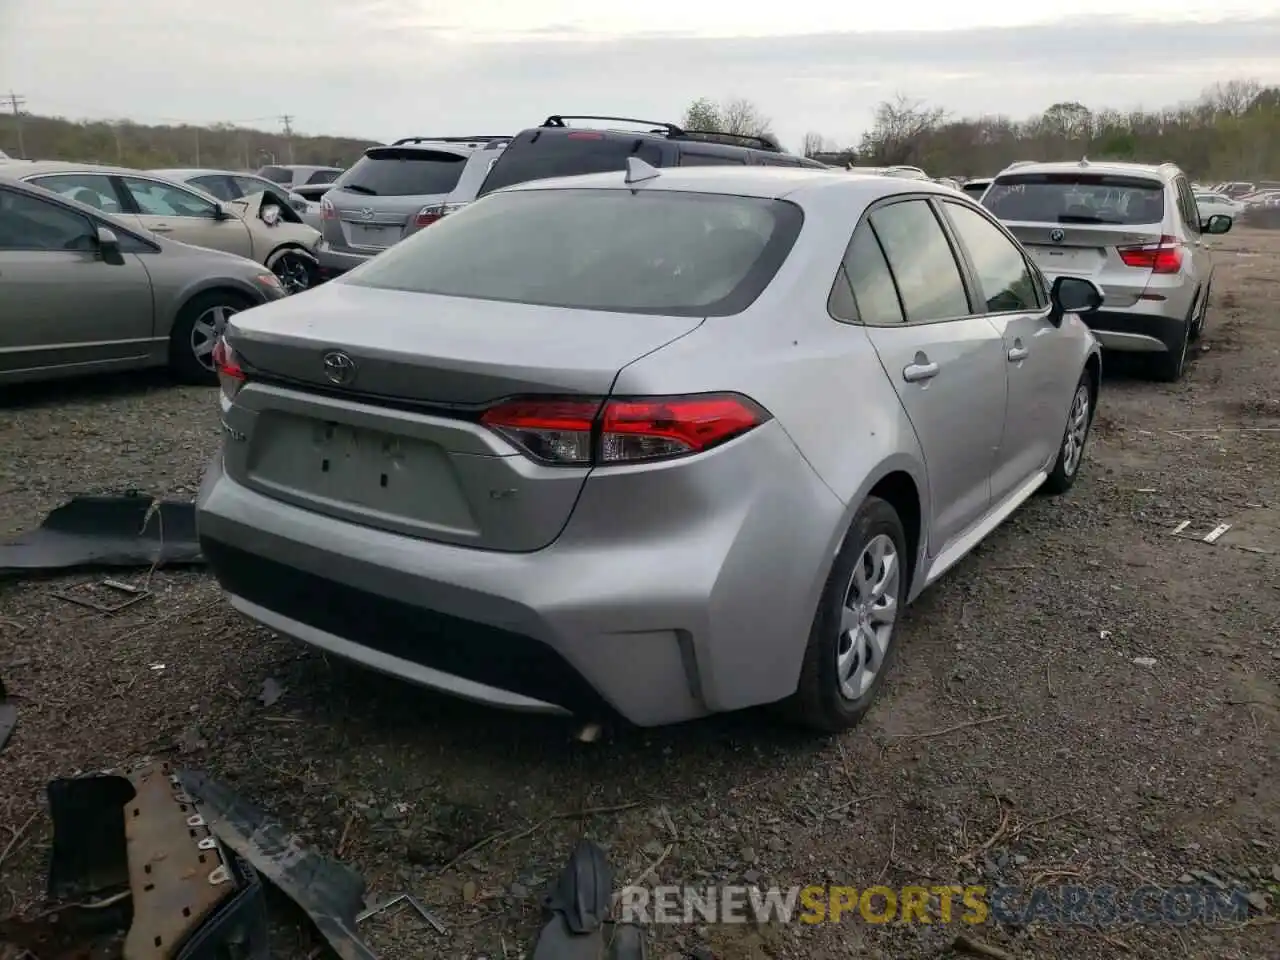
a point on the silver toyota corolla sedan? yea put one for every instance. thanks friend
(654, 444)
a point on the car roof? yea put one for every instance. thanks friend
(202, 172)
(299, 166)
(764, 182)
(70, 166)
(1112, 167)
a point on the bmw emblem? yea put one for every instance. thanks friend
(1057, 235)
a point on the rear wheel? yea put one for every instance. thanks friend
(1071, 450)
(1202, 316)
(1170, 365)
(200, 323)
(851, 642)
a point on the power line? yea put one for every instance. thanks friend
(16, 101)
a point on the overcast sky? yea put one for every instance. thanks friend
(388, 68)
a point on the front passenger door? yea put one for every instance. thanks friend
(1043, 368)
(182, 215)
(946, 364)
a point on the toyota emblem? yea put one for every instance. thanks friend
(339, 368)
(367, 213)
(1057, 236)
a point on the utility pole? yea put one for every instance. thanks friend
(287, 120)
(16, 101)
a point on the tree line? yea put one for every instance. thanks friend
(1232, 132)
(127, 144)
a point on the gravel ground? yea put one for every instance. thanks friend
(1106, 691)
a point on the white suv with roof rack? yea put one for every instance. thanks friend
(395, 190)
(1134, 230)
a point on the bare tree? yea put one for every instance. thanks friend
(1233, 97)
(738, 117)
(814, 144)
(899, 129)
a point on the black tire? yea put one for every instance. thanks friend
(819, 702)
(296, 273)
(1168, 367)
(185, 362)
(1202, 316)
(1072, 445)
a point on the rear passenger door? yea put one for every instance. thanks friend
(946, 364)
(1042, 365)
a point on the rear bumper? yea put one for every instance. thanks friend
(642, 608)
(1135, 332)
(334, 263)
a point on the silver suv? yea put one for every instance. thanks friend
(396, 190)
(1135, 231)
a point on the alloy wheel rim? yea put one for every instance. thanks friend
(292, 273)
(1077, 429)
(205, 332)
(867, 617)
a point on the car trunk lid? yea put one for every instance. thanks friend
(1080, 250)
(396, 443)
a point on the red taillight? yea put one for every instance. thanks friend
(577, 432)
(1162, 257)
(327, 210)
(231, 374)
(435, 211)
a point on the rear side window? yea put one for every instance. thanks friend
(865, 290)
(1006, 279)
(277, 174)
(546, 154)
(323, 176)
(396, 172)
(1076, 198)
(680, 254)
(922, 262)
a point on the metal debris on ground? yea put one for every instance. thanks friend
(436, 923)
(330, 893)
(139, 847)
(1211, 537)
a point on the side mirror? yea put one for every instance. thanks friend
(1216, 225)
(220, 212)
(270, 214)
(1073, 295)
(109, 247)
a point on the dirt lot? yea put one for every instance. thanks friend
(1017, 697)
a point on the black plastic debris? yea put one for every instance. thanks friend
(120, 531)
(8, 716)
(330, 893)
(579, 928)
(583, 890)
(137, 849)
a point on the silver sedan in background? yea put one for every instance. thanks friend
(83, 292)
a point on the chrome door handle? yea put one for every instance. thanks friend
(1018, 353)
(915, 372)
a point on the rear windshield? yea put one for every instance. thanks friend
(1076, 198)
(395, 172)
(277, 174)
(556, 154)
(323, 176)
(659, 252)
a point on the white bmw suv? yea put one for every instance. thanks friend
(1135, 231)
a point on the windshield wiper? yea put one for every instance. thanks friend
(1082, 218)
(356, 188)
